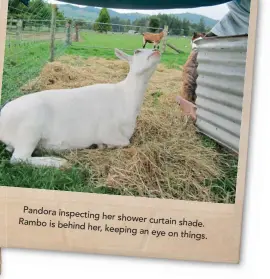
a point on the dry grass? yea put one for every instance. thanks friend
(71, 72)
(166, 158)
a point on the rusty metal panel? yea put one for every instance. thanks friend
(220, 86)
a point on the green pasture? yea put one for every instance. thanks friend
(102, 45)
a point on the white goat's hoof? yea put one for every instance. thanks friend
(41, 161)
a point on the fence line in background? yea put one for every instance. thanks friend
(36, 30)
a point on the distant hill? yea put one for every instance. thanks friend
(88, 13)
(195, 18)
(91, 13)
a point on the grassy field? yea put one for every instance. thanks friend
(23, 64)
(90, 41)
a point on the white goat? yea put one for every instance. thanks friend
(65, 119)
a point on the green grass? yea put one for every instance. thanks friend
(24, 62)
(225, 186)
(90, 43)
(77, 179)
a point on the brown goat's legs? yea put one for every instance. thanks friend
(156, 45)
(144, 43)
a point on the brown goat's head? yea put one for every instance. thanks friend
(197, 35)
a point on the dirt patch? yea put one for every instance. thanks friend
(166, 158)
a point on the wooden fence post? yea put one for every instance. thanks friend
(76, 32)
(11, 24)
(53, 26)
(164, 39)
(68, 32)
(3, 24)
(19, 31)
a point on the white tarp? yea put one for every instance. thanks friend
(236, 21)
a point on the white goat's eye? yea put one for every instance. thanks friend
(137, 51)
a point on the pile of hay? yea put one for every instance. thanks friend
(166, 158)
(71, 72)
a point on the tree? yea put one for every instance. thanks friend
(175, 25)
(103, 21)
(202, 27)
(126, 28)
(37, 10)
(154, 24)
(115, 20)
(186, 26)
(143, 22)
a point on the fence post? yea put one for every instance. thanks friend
(53, 27)
(76, 32)
(164, 39)
(68, 32)
(19, 31)
(11, 24)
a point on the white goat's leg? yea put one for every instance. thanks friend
(38, 161)
(42, 161)
(144, 42)
(23, 154)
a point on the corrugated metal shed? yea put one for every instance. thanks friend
(220, 86)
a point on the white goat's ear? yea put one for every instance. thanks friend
(121, 55)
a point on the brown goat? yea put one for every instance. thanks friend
(153, 38)
(190, 74)
(188, 95)
(189, 77)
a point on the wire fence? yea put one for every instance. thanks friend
(28, 44)
(36, 36)
(91, 34)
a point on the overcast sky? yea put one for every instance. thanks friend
(216, 12)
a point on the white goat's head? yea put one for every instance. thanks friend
(143, 61)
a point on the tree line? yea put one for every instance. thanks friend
(36, 10)
(151, 23)
(41, 10)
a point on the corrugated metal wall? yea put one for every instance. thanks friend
(220, 86)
